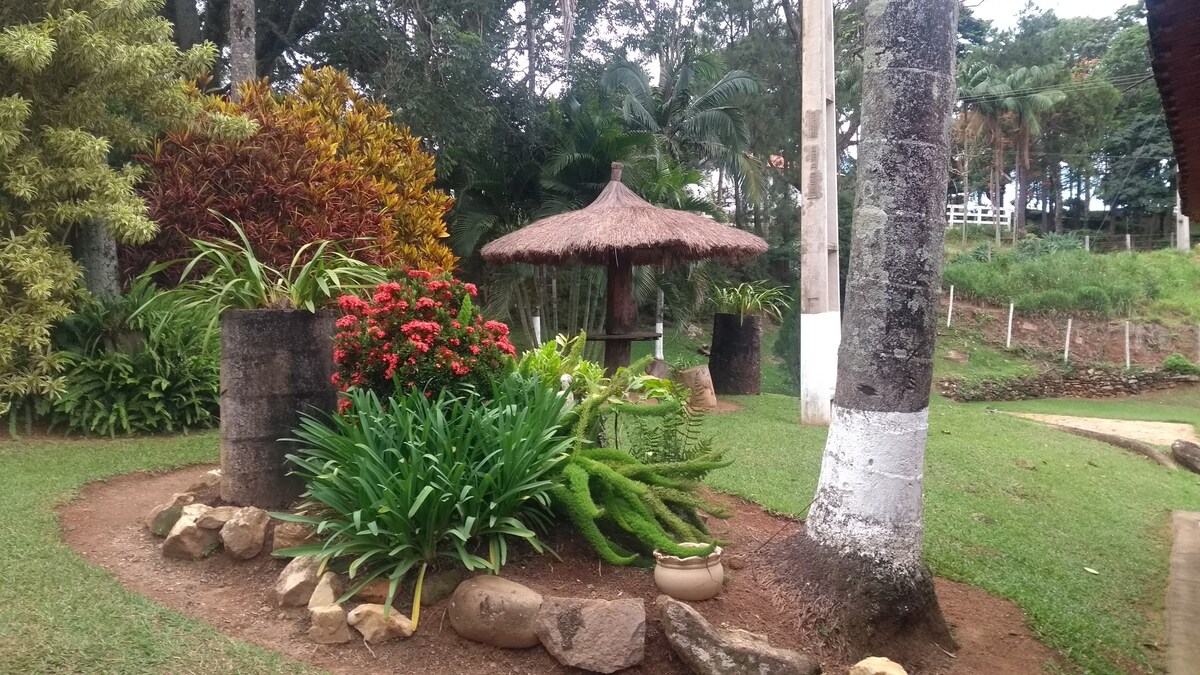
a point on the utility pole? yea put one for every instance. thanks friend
(1183, 227)
(820, 306)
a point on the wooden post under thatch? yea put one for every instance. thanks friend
(620, 317)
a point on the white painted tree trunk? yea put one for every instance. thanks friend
(870, 495)
(869, 498)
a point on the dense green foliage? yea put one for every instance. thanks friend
(409, 481)
(82, 85)
(1180, 365)
(129, 372)
(1158, 285)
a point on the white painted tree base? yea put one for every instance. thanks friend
(869, 497)
(820, 337)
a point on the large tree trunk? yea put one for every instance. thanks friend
(96, 250)
(242, 66)
(858, 566)
(1022, 184)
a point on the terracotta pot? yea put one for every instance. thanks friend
(691, 578)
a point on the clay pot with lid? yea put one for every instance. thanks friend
(690, 578)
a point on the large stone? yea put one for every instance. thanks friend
(1187, 454)
(290, 535)
(209, 482)
(163, 517)
(369, 620)
(187, 539)
(328, 589)
(245, 532)
(495, 611)
(712, 651)
(328, 625)
(602, 636)
(215, 518)
(877, 665)
(297, 582)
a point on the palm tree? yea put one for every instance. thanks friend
(858, 563)
(983, 93)
(1028, 99)
(694, 114)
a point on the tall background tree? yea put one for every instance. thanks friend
(81, 89)
(858, 561)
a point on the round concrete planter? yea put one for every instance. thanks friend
(692, 578)
(275, 364)
(734, 359)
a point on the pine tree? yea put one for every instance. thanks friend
(83, 85)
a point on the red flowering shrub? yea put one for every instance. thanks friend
(421, 331)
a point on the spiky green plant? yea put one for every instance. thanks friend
(751, 298)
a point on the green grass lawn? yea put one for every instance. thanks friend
(59, 614)
(1022, 534)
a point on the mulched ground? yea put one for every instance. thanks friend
(105, 526)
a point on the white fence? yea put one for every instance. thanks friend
(959, 214)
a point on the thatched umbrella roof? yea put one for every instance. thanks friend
(620, 222)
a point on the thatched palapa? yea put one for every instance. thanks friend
(621, 230)
(622, 223)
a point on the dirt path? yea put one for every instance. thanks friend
(1155, 433)
(105, 526)
(1183, 595)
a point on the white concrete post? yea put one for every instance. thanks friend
(950, 309)
(1128, 243)
(820, 310)
(658, 342)
(537, 330)
(1127, 361)
(1067, 343)
(1008, 338)
(1087, 242)
(1183, 227)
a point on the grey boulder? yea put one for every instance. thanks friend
(712, 651)
(602, 636)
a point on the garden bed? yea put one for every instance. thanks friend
(106, 526)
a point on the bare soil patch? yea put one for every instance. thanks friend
(105, 525)
(1155, 433)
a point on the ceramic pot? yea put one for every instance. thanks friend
(691, 578)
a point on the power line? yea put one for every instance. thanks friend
(1116, 82)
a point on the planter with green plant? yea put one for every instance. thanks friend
(276, 352)
(735, 359)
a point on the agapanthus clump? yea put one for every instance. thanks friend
(421, 331)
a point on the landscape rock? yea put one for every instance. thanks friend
(712, 651)
(245, 532)
(659, 368)
(162, 517)
(187, 539)
(215, 517)
(877, 665)
(328, 625)
(368, 620)
(289, 535)
(328, 590)
(297, 582)
(439, 586)
(375, 592)
(602, 636)
(495, 611)
(1187, 454)
(209, 482)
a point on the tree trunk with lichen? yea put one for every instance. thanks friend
(857, 567)
(242, 44)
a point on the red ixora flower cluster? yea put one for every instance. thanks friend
(421, 331)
